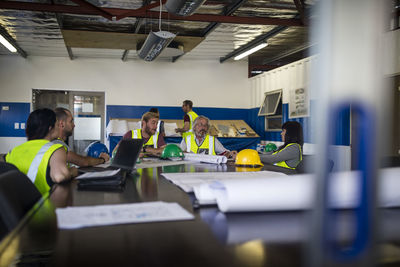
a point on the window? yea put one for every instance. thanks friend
(271, 108)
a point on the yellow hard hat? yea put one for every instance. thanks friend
(248, 158)
(248, 169)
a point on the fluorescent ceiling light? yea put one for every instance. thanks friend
(183, 7)
(7, 44)
(250, 51)
(154, 44)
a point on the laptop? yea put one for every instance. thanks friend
(111, 178)
(125, 158)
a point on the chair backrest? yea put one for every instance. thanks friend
(17, 196)
(307, 165)
(5, 167)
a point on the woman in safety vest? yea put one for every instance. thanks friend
(41, 160)
(289, 155)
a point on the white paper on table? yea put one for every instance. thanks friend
(297, 192)
(87, 175)
(187, 181)
(160, 163)
(77, 217)
(206, 158)
(169, 128)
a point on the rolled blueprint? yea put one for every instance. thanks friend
(296, 192)
(206, 158)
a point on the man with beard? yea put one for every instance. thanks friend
(200, 142)
(66, 127)
(153, 141)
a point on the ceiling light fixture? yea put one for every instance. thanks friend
(183, 7)
(155, 42)
(7, 44)
(250, 51)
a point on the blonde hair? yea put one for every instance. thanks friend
(149, 115)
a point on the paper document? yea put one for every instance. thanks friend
(187, 181)
(169, 128)
(151, 163)
(97, 174)
(296, 192)
(77, 217)
(206, 158)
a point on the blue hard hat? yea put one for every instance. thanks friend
(95, 149)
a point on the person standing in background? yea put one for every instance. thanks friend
(188, 119)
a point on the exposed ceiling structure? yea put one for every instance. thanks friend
(219, 30)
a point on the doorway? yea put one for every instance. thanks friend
(86, 107)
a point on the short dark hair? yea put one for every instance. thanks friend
(294, 133)
(188, 103)
(61, 113)
(154, 110)
(40, 123)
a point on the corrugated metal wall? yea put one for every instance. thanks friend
(291, 76)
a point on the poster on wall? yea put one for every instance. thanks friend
(299, 103)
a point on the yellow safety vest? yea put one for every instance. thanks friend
(137, 134)
(283, 163)
(192, 116)
(208, 144)
(32, 158)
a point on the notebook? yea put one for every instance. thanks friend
(124, 159)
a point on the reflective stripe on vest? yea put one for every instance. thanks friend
(158, 125)
(153, 140)
(33, 157)
(61, 142)
(283, 163)
(33, 169)
(191, 145)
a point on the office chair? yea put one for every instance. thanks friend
(307, 164)
(17, 196)
(5, 167)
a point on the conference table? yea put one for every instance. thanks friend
(211, 239)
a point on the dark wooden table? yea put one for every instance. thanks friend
(211, 239)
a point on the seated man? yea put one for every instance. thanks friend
(153, 141)
(66, 127)
(41, 160)
(200, 142)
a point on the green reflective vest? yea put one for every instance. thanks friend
(208, 144)
(137, 134)
(283, 163)
(32, 158)
(192, 116)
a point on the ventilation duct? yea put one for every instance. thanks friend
(183, 7)
(154, 44)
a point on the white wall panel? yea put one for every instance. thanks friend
(291, 76)
(206, 83)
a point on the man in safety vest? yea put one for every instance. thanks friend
(200, 142)
(153, 142)
(188, 119)
(66, 127)
(41, 160)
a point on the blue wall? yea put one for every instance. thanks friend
(342, 136)
(173, 113)
(17, 112)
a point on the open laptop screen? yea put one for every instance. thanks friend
(127, 154)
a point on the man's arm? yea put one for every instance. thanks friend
(186, 127)
(58, 167)
(83, 161)
(221, 150)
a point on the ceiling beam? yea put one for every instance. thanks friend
(96, 9)
(60, 25)
(145, 7)
(11, 40)
(81, 10)
(287, 53)
(255, 42)
(301, 9)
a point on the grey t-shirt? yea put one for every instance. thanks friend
(290, 154)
